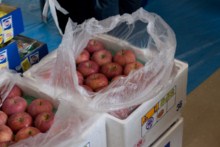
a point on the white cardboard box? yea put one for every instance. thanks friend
(152, 118)
(93, 136)
(173, 137)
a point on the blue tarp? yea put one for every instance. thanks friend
(196, 24)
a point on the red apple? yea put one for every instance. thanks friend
(83, 56)
(87, 88)
(88, 67)
(45, 74)
(39, 105)
(132, 67)
(98, 89)
(3, 118)
(80, 78)
(16, 91)
(44, 121)
(111, 69)
(102, 57)
(117, 77)
(96, 81)
(4, 144)
(19, 120)
(14, 105)
(5, 133)
(94, 45)
(25, 133)
(123, 113)
(124, 57)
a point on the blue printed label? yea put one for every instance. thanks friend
(3, 59)
(7, 23)
(167, 145)
(7, 28)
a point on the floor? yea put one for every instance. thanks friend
(201, 114)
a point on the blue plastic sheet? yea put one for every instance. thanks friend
(196, 24)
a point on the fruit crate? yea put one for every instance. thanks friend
(146, 123)
(173, 137)
(11, 22)
(93, 133)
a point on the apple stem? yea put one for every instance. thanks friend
(47, 116)
(102, 56)
(122, 52)
(21, 119)
(29, 132)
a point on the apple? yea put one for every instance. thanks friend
(4, 144)
(94, 45)
(39, 105)
(102, 57)
(117, 77)
(80, 78)
(87, 88)
(88, 67)
(123, 113)
(19, 120)
(3, 118)
(44, 121)
(16, 91)
(83, 56)
(26, 132)
(98, 89)
(124, 57)
(45, 74)
(14, 105)
(111, 70)
(96, 81)
(132, 67)
(5, 133)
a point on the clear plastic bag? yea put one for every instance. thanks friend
(146, 34)
(69, 122)
(6, 84)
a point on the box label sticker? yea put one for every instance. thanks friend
(167, 145)
(7, 28)
(25, 64)
(87, 145)
(158, 111)
(3, 59)
(34, 58)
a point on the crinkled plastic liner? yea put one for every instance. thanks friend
(69, 122)
(67, 129)
(153, 42)
(42, 71)
(6, 84)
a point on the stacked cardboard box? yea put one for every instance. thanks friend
(17, 52)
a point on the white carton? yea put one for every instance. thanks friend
(152, 118)
(93, 136)
(173, 137)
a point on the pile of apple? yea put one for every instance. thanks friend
(20, 120)
(97, 67)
